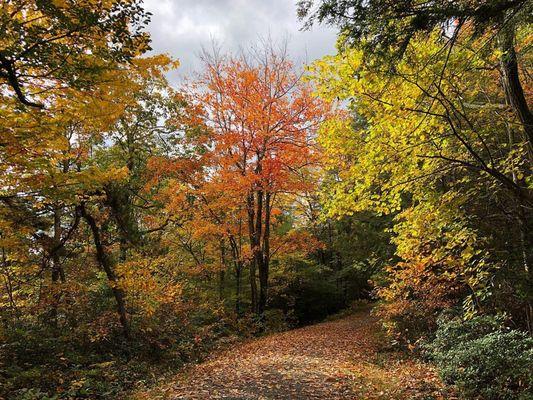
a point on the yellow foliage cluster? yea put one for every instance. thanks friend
(420, 141)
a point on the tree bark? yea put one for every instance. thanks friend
(106, 263)
(512, 85)
(253, 243)
(57, 271)
(238, 265)
(259, 208)
(265, 259)
(222, 271)
(258, 250)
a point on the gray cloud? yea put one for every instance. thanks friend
(182, 27)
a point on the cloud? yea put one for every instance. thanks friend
(182, 27)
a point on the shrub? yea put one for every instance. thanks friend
(483, 359)
(414, 294)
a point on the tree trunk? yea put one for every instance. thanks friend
(259, 207)
(265, 259)
(512, 85)
(222, 271)
(237, 263)
(238, 275)
(257, 249)
(253, 286)
(253, 245)
(57, 270)
(106, 263)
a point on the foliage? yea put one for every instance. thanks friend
(50, 364)
(122, 242)
(415, 143)
(296, 287)
(383, 27)
(142, 225)
(483, 359)
(48, 46)
(254, 122)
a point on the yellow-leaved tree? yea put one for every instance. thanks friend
(434, 142)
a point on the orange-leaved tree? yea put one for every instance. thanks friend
(260, 117)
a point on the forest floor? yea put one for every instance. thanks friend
(340, 359)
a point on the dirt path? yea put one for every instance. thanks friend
(331, 360)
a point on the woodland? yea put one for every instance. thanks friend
(386, 189)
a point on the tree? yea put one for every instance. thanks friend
(382, 27)
(139, 132)
(432, 144)
(48, 46)
(369, 21)
(83, 156)
(261, 119)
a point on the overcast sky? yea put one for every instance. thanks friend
(182, 27)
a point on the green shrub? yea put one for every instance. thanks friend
(483, 359)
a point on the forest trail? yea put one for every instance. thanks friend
(334, 360)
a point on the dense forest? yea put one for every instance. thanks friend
(145, 225)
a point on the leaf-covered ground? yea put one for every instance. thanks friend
(341, 359)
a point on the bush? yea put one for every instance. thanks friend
(483, 359)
